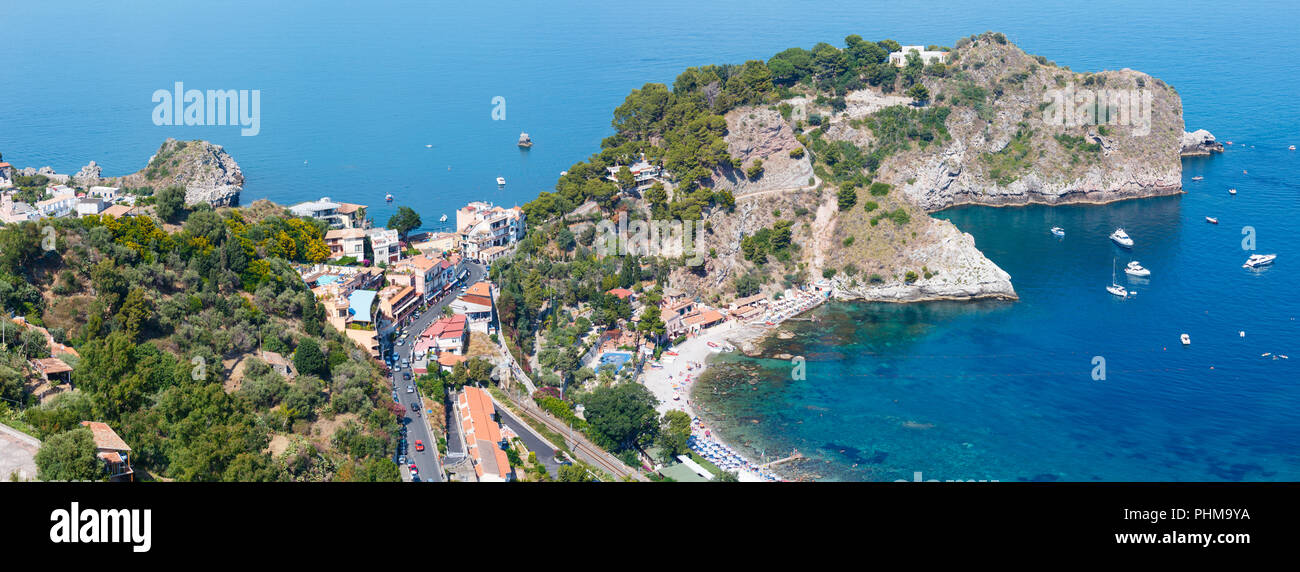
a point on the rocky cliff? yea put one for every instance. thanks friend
(1200, 143)
(208, 173)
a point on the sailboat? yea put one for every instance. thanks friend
(1114, 287)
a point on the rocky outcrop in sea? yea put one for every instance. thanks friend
(1200, 143)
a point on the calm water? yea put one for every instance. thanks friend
(352, 95)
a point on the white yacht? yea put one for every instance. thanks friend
(1232, 191)
(501, 181)
(444, 218)
(1257, 260)
(1212, 220)
(1135, 269)
(1121, 238)
(1058, 231)
(1186, 339)
(1198, 178)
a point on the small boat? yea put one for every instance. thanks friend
(1121, 238)
(1232, 191)
(1211, 220)
(1257, 260)
(1135, 269)
(501, 181)
(1058, 231)
(388, 197)
(1186, 339)
(443, 219)
(429, 146)
(1114, 287)
(1292, 148)
(525, 141)
(1198, 178)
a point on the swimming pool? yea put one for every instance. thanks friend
(618, 359)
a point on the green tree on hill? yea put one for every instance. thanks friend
(309, 360)
(69, 456)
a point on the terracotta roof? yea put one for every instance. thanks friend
(118, 211)
(341, 233)
(348, 208)
(622, 293)
(105, 437)
(749, 300)
(706, 317)
(450, 359)
(447, 328)
(479, 289)
(479, 300)
(52, 365)
(483, 433)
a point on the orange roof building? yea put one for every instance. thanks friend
(483, 436)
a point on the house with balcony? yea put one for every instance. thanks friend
(448, 335)
(477, 306)
(644, 174)
(386, 244)
(481, 225)
(396, 304)
(112, 451)
(346, 242)
(63, 203)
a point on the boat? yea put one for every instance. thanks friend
(1135, 269)
(1292, 148)
(1058, 231)
(1211, 220)
(1198, 178)
(501, 181)
(1121, 238)
(1257, 260)
(1114, 287)
(388, 197)
(525, 141)
(1232, 191)
(429, 146)
(444, 218)
(1187, 340)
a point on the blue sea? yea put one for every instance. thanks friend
(358, 101)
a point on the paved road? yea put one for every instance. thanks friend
(427, 461)
(545, 452)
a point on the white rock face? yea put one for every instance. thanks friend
(960, 272)
(1200, 143)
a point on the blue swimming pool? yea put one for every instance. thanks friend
(615, 358)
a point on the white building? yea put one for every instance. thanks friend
(643, 172)
(63, 202)
(336, 214)
(90, 206)
(345, 242)
(107, 193)
(482, 225)
(386, 244)
(928, 57)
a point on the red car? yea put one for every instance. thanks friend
(414, 470)
(419, 445)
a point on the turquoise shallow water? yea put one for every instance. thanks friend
(352, 95)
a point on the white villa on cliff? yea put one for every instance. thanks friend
(928, 57)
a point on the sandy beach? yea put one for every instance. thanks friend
(671, 384)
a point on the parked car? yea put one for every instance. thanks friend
(419, 445)
(406, 376)
(414, 469)
(410, 388)
(401, 459)
(415, 407)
